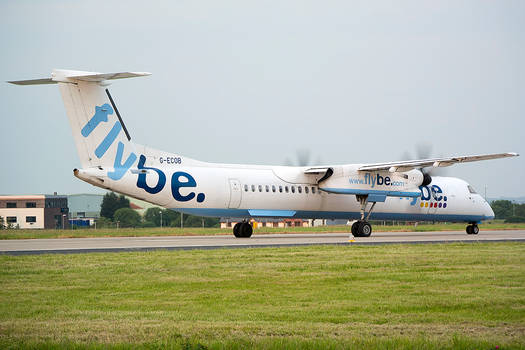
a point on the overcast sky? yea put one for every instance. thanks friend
(254, 81)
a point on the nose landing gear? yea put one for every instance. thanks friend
(242, 230)
(472, 229)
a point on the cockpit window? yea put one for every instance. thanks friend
(471, 189)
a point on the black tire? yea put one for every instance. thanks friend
(355, 227)
(365, 229)
(469, 229)
(237, 230)
(246, 230)
(475, 229)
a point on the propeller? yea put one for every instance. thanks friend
(303, 157)
(424, 151)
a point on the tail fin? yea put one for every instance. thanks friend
(100, 135)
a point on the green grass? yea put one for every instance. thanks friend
(450, 296)
(191, 231)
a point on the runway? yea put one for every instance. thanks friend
(116, 244)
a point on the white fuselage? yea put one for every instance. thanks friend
(244, 191)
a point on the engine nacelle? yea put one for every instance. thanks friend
(419, 178)
(427, 179)
(386, 183)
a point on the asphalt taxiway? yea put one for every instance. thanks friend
(116, 244)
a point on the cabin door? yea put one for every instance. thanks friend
(235, 194)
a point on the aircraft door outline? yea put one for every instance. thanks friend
(235, 194)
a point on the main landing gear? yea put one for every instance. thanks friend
(361, 228)
(242, 230)
(472, 229)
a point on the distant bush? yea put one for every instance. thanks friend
(154, 215)
(147, 224)
(103, 222)
(127, 217)
(514, 219)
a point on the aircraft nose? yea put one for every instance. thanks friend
(488, 212)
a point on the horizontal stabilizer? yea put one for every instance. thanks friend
(70, 76)
(33, 82)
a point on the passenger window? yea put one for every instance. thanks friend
(306, 189)
(299, 189)
(245, 188)
(293, 189)
(267, 188)
(273, 188)
(313, 190)
(260, 188)
(253, 188)
(286, 189)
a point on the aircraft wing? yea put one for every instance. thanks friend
(434, 162)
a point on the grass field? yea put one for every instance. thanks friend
(450, 296)
(192, 231)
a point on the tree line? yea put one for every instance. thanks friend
(115, 210)
(508, 211)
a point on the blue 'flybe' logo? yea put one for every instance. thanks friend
(431, 192)
(101, 115)
(179, 179)
(373, 180)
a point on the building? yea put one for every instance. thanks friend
(84, 208)
(267, 222)
(281, 223)
(35, 211)
(84, 205)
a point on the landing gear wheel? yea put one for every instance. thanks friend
(472, 229)
(365, 229)
(354, 229)
(246, 230)
(361, 228)
(237, 230)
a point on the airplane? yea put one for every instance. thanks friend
(399, 190)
